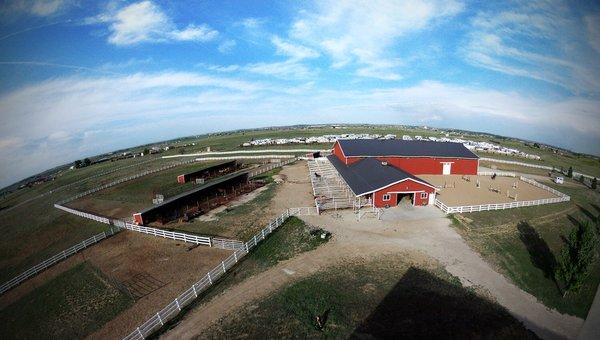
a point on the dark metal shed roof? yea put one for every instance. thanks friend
(197, 189)
(369, 175)
(403, 148)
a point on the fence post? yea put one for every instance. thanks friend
(209, 278)
(177, 303)
(140, 332)
(159, 319)
(194, 289)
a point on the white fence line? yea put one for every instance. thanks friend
(545, 167)
(500, 206)
(122, 180)
(83, 214)
(201, 240)
(497, 173)
(174, 308)
(55, 259)
(268, 168)
(244, 152)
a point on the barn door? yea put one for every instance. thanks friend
(447, 168)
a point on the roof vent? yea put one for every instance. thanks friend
(384, 163)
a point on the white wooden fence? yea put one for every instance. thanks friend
(83, 214)
(201, 240)
(122, 180)
(242, 152)
(268, 168)
(500, 206)
(55, 259)
(157, 320)
(545, 167)
(497, 173)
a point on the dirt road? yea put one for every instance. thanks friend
(425, 230)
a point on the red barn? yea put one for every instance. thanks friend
(383, 171)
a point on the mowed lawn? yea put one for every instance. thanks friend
(70, 306)
(381, 298)
(524, 244)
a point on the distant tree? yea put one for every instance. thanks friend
(581, 179)
(595, 183)
(87, 162)
(146, 151)
(570, 172)
(536, 145)
(77, 164)
(181, 151)
(576, 256)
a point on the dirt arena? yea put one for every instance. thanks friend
(154, 270)
(467, 193)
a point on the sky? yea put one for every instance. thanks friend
(79, 78)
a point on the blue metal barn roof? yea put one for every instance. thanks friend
(368, 175)
(403, 148)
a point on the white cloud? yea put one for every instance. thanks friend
(146, 22)
(284, 69)
(227, 46)
(592, 23)
(81, 116)
(363, 32)
(294, 51)
(536, 40)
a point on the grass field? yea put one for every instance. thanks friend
(293, 237)
(381, 298)
(36, 230)
(72, 305)
(231, 141)
(523, 244)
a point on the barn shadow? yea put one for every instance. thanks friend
(421, 305)
(540, 254)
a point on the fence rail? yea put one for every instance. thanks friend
(497, 173)
(268, 168)
(201, 240)
(156, 321)
(500, 206)
(122, 180)
(529, 165)
(55, 259)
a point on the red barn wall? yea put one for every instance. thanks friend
(408, 185)
(429, 165)
(337, 151)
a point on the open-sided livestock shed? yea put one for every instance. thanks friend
(210, 172)
(177, 206)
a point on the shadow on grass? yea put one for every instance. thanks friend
(587, 213)
(595, 206)
(421, 305)
(540, 254)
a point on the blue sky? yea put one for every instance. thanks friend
(80, 78)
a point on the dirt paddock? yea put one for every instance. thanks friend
(155, 271)
(460, 192)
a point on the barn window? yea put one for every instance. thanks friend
(423, 195)
(386, 197)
